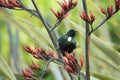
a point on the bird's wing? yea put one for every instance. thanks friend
(62, 41)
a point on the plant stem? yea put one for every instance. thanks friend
(47, 66)
(70, 75)
(87, 57)
(46, 26)
(78, 77)
(87, 44)
(56, 24)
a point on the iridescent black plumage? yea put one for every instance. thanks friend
(67, 42)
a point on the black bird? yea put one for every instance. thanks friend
(67, 42)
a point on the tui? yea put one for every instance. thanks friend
(67, 42)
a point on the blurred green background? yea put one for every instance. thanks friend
(18, 28)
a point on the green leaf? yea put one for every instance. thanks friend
(103, 77)
(5, 69)
(38, 35)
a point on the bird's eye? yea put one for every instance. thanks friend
(69, 38)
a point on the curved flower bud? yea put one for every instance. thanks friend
(103, 10)
(66, 60)
(90, 19)
(68, 68)
(52, 54)
(27, 73)
(34, 66)
(66, 7)
(110, 10)
(9, 3)
(71, 63)
(117, 4)
(81, 62)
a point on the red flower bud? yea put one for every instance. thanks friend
(81, 61)
(57, 14)
(34, 66)
(9, 3)
(66, 60)
(27, 73)
(68, 68)
(110, 10)
(27, 48)
(117, 4)
(66, 7)
(72, 63)
(86, 18)
(103, 10)
(14, 3)
(52, 54)
(69, 56)
(92, 18)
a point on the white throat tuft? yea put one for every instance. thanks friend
(69, 38)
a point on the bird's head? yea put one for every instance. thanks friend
(71, 33)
